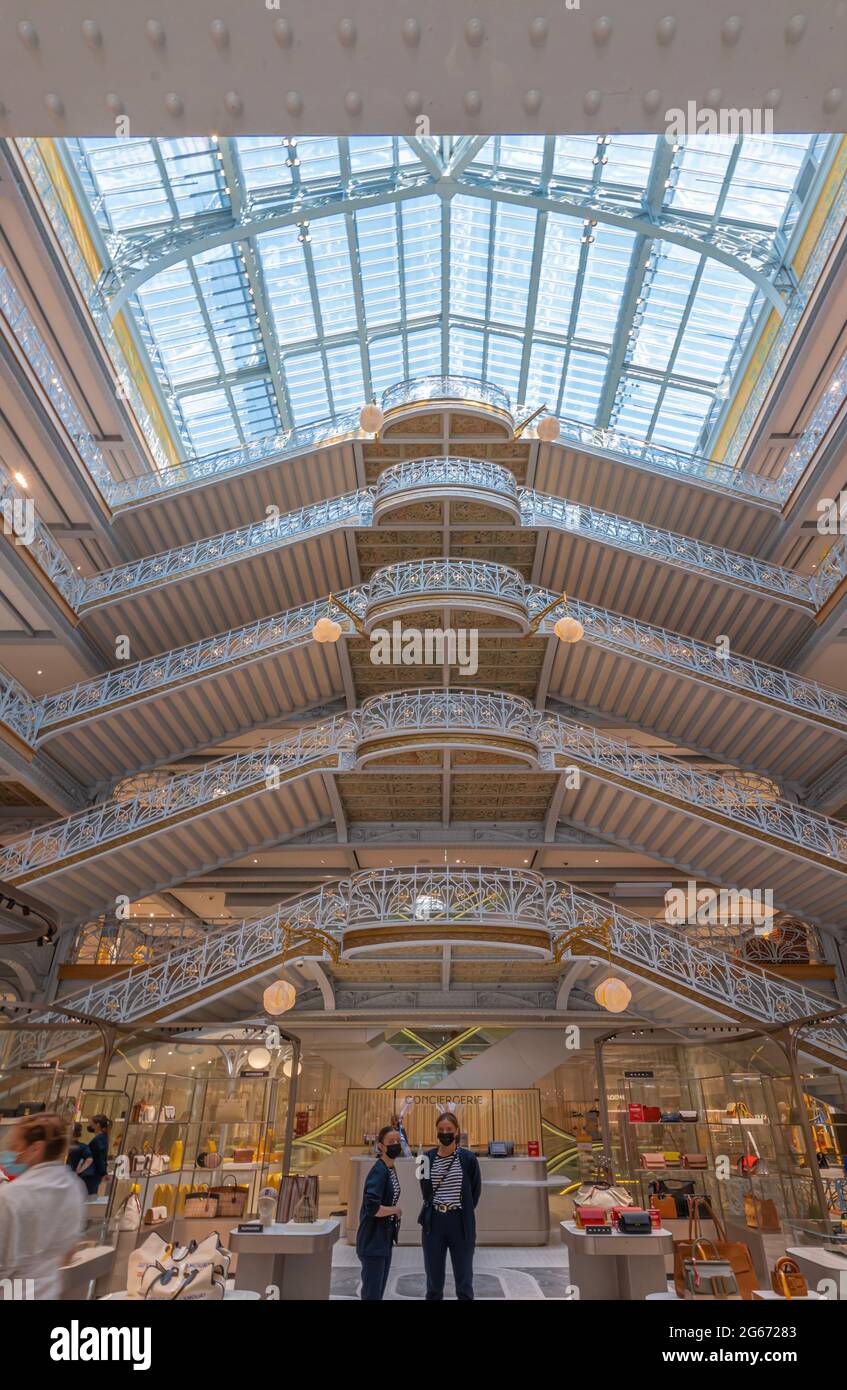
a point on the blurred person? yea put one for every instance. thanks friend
(42, 1212)
(98, 1128)
(379, 1218)
(80, 1159)
(448, 1216)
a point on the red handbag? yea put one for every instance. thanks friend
(636, 1114)
(652, 1114)
(591, 1216)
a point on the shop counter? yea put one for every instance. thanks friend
(295, 1257)
(514, 1208)
(616, 1266)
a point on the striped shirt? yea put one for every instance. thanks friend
(447, 1180)
(395, 1187)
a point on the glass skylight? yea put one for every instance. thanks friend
(314, 272)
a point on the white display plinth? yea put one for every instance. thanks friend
(293, 1257)
(616, 1266)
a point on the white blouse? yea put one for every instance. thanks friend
(42, 1216)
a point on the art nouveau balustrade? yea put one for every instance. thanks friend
(487, 483)
(515, 907)
(695, 818)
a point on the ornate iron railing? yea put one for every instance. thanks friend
(417, 899)
(446, 471)
(445, 388)
(284, 444)
(110, 940)
(549, 738)
(614, 631)
(353, 509)
(47, 553)
(538, 509)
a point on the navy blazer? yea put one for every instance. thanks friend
(376, 1233)
(471, 1191)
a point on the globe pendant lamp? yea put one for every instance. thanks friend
(371, 418)
(326, 630)
(279, 997)
(613, 994)
(548, 429)
(569, 629)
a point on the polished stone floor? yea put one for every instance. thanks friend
(500, 1272)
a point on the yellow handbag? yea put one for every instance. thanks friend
(672, 1157)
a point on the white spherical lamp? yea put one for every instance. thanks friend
(613, 995)
(279, 997)
(547, 428)
(287, 1067)
(326, 630)
(371, 418)
(569, 629)
(258, 1058)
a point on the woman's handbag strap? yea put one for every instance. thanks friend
(445, 1174)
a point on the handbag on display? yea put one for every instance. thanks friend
(197, 1271)
(601, 1194)
(231, 1198)
(736, 1253)
(591, 1216)
(787, 1280)
(652, 1114)
(695, 1161)
(143, 1113)
(671, 1117)
(760, 1213)
(653, 1160)
(665, 1206)
(635, 1223)
(291, 1191)
(671, 1157)
(154, 1216)
(636, 1114)
(689, 1115)
(200, 1204)
(243, 1155)
(708, 1274)
(167, 1113)
(128, 1215)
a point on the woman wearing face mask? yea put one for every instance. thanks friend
(448, 1216)
(98, 1129)
(42, 1213)
(379, 1219)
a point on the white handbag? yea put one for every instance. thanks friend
(593, 1195)
(128, 1216)
(206, 1262)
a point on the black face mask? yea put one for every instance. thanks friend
(446, 1137)
(393, 1150)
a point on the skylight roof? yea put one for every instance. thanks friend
(614, 278)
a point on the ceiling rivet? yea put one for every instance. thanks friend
(474, 32)
(413, 102)
(652, 100)
(54, 104)
(173, 104)
(27, 33)
(233, 103)
(532, 101)
(833, 98)
(602, 29)
(155, 31)
(114, 104)
(538, 30)
(283, 32)
(665, 29)
(91, 33)
(795, 28)
(411, 32)
(714, 97)
(591, 101)
(353, 104)
(293, 103)
(346, 31)
(473, 103)
(219, 33)
(772, 98)
(731, 29)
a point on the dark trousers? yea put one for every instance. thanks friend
(446, 1233)
(374, 1276)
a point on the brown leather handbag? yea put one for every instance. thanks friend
(786, 1279)
(760, 1213)
(695, 1161)
(231, 1198)
(665, 1206)
(733, 1251)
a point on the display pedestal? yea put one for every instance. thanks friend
(767, 1295)
(296, 1259)
(765, 1247)
(617, 1266)
(95, 1262)
(817, 1264)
